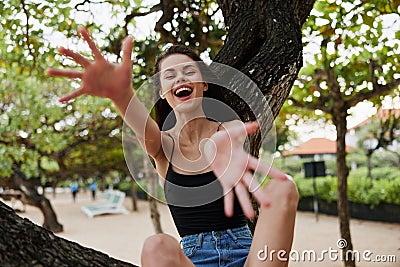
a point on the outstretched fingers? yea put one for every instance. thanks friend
(255, 188)
(96, 52)
(277, 174)
(251, 127)
(261, 167)
(78, 58)
(127, 47)
(244, 200)
(242, 130)
(72, 74)
(228, 202)
(71, 95)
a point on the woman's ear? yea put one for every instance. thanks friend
(205, 86)
(161, 94)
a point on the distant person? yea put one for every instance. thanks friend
(74, 187)
(93, 189)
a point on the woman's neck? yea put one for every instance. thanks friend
(191, 128)
(194, 119)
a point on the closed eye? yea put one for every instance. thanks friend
(190, 73)
(169, 77)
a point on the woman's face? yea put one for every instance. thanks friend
(181, 80)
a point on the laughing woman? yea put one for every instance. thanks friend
(195, 152)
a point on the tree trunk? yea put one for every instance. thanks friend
(102, 184)
(265, 39)
(50, 218)
(134, 195)
(155, 215)
(32, 197)
(23, 243)
(343, 205)
(151, 177)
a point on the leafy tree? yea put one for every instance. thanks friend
(357, 61)
(383, 132)
(44, 145)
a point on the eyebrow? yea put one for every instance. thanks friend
(184, 67)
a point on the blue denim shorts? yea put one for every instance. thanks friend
(218, 248)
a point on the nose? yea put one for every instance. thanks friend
(180, 78)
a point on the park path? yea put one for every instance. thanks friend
(121, 236)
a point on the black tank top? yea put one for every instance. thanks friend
(196, 202)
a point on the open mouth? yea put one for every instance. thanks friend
(183, 92)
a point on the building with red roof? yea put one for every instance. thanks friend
(323, 147)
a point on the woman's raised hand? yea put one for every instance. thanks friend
(99, 77)
(234, 167)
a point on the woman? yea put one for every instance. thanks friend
(192, 153)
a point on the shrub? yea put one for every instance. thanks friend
(326, 187)
(360, 188)
(387, 173)
(124, 185)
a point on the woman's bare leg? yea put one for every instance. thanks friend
(163, 250)
(275, 226)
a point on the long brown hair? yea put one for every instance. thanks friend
(162, 110)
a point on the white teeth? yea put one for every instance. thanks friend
(183, 89)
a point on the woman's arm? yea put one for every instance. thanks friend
(114, 81)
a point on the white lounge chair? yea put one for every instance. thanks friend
(112, 204)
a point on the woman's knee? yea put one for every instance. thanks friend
(283, 193)
(153, 243)
(160, 248)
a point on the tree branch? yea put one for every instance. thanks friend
(27, 34)
(229, 9)
(167, 16)
(320, 75)
(377, 89)
(135, 14)
(300, 104)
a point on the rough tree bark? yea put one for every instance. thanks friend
(342, 172)
(265, 39)
(23, 243)
(134, 196)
